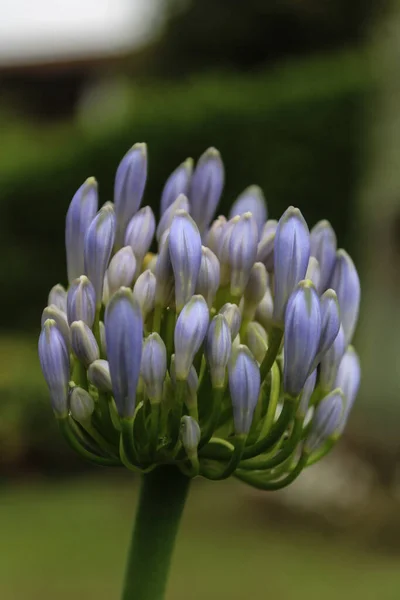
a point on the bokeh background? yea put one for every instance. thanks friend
(301, 97)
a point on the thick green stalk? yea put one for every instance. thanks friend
(161, 504)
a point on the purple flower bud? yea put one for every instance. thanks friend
(346, 284)
(306, 394)
(330, 361)
(215, 233)
(124, 337)
(81, 213)
(256, 340)
(208, 279)
(242, 252)
(330, 320)
(144, 291)
(264, 312)
(58, 297)
(313, 273)
(265, 248)
(218, 349)
(223, 252)
(251, 200)
(54, 360)
(84, 343)
(99, 375)
(244, 387)
(233, 316)
(181, 203)
(326, 421)
(185, 253)
(154, 366)
(302, 336)
(121, 270)
(81, 404)
(99, 242)
(206, 187)
(255, 289)
(190, 331)
(323, 248)
(81, 301)
(291, 255)
(140, 232)
(177, 183)
(164, 274)
(190, 434)
(348, 380)
(130, 181)
(57, 315)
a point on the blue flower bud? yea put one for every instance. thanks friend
(181, 203)
(348, 379)
(323, 248)
(326, 421)
(154, 366)
(291, 255)
(223, 252)
(59, 316)
(265, 309)
(302, 336)
(185, 253)
(81, 213)
(190, 331)
(192, 379)
(255, 289)
(190, 434)
(244, 387)
(233, 316)
(265, 248)
(177, 183)
(140, 232)
(313, 273)
(144, 291)
(99, 242)
(130, 181)
(164, 274)
(346, 284)
(218, 349)
(330, 320)
(121, 270)
(242, 252)
(81, 404)
(81, 301)
(206, 187)
(58, 297)
(54, 360)
(330, 361)
(84, 343)
(215, 233)
(124, 338)
(208, 279)
(306, 394)
(256, 340)
(99, 375)
(251, 200)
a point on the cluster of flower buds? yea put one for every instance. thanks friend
(220, 346)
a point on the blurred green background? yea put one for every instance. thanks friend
(300, 97)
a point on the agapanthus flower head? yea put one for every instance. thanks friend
(175, 356)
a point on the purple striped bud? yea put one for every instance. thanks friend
(84, 343)
(323, 248)
(81, 213)
(265, 248)
(121, 270)
(330, 361)
(218, 349)
(140, 232)
(177, 183)
(348, 379)
(130, 181)
(242, 252)
(181, 203)
(154, 366)
(346, 284)
(192, 379)
(251, 200)
(215, 233)
(57, 315)
(244, 387)
(291, 255)
(208, 279)
(255, 289)
(256, 340)
(206, 188)
(81, 404)
(190, 434)
(330, 320)
(164, 274)
(190, 331)
(233, 316)
(306, 394)
(185, 253)
(326, 421)
(54, 360)
(265, 309)
(99, 242)
(313, 273)
(302, 336)
(99, 375)
(81, 301)
(124, 337)
(144, 291)
(58, 297)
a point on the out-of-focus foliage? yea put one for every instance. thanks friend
(294, 131)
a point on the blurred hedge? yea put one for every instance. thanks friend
(294, 130)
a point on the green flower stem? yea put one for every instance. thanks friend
(161, 504)
(238, 446)
(274, 344)
(256, 479)
(67, 431)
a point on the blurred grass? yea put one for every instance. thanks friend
(63, 540)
